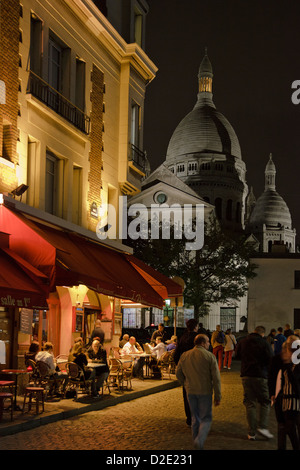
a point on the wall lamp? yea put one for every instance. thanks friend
(20, 190)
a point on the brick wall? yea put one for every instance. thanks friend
(95, 155)
(9, 71)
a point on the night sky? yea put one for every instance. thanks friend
(254, 48)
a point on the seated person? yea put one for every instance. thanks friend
(33, 350)
(47, 356)
(98, 354)
(171, 344)
(139, 347)
(80, 358)
(77, 340)
(158, 350)
(130, 348)
(124, 340)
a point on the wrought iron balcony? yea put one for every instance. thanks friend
(137, 158)
(54, 100)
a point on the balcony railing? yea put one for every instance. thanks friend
(137, 157)
(54, 100)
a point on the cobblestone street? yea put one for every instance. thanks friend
(154, 422)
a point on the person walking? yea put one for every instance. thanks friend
(271, 338)
(198, 371)
(255, 355)
(218, 343)
(279, 340)
(284, 388)
(186, 343)
(229, 348)
(287, 330)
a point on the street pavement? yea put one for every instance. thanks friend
(153, 422)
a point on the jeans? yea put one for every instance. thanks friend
(186, 407)
(201, 411)
(256, 391)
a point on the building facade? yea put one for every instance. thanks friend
(274, 294)
(205, 153)
(270, 220)
(74, 76)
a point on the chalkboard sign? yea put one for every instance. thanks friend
(26, 316)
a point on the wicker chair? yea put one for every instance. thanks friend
(77, 380)
(34, 374)
(116, 376)
(164, 365)
(44, 378)
(127, 368)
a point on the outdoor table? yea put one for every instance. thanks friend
(16, 373)
(93, 365)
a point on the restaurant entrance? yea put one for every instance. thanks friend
(8, 318)
(90, 316)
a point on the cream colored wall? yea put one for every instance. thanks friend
(79, 30)
(272, 297)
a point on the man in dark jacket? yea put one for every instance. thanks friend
(160, 332)
(256, 354)
(186, 343)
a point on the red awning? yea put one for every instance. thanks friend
(70, 259)
(161, 283)
(17, 289)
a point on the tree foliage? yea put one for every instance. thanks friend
(219, 272)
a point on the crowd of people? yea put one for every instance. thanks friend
(270, 377)
(80, 354)
(159, 345)
(269, 374)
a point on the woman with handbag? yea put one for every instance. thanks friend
(230, 344)
(284, 386)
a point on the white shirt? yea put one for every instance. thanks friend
(158, 350)
(129, 349)
(47, 357)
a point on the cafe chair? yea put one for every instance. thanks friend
(44, 378)
(115, 376)
(38, 393)
(77, 380)
(128, 374)
(32, 369)
(4, 384)
(164, 365)
(6, 396)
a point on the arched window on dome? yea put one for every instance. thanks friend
(270, 246)
(238, 216)
(218, 206)
(229, 210)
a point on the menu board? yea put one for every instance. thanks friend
(26, 317)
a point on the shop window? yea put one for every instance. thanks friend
(135, 124)
(228, 318)
(36, 47)
(54, 185)
(80, 84)
(76, 195)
